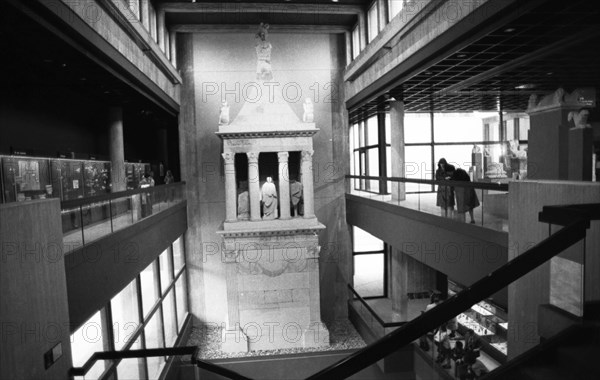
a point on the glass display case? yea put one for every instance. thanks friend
(67, 178)
(489, 322)
(25, 178)
(134, 173)
(96, 178)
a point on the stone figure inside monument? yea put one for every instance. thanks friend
(309, 113)
(243, 202)
(296, 196)
(580, 118)
(224, 114)
(263, 54)
(269, 199)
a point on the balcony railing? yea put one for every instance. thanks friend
(87, 219)
(423, 195)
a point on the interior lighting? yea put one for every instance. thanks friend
(526, 86)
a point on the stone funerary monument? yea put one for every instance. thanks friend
(270, 234)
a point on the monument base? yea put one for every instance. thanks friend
(291, 335)
(234, 340)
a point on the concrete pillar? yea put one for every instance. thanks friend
(383, 13)
(307, 183)
(230, 188)
(173, 47)
(397, 151)
(167, 44)
(399, 284)
(284, 186)
(253, 185)
(348, 47)
(362, 29)
(134, 5)
(581, 148)
(145, 14)
(160, 29)
(116, 149)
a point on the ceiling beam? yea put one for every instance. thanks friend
(244, 28)
(536, 55)
(290, 8)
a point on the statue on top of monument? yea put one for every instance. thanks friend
(224, 113)
(309, 111)
(263, 54)
(580, 118)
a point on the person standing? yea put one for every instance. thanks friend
(466, 197)
(169, 177)
(445, 194)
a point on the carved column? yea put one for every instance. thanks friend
(253, 185)
(284, 186)
(307, 184)
(230, 188)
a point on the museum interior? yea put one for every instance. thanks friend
(300, 189)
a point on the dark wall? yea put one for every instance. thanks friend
(46, 120)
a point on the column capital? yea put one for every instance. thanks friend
(229, 157)
(283, 156)
(252, 157)
(307, 155)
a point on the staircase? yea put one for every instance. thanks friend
(573, 354)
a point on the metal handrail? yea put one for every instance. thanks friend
(476, 185)
(73, 203)
(373, 313)
(151, 352)
(482, 289)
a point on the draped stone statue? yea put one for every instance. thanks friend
(269, 199)
(296, 195)
(263, 54)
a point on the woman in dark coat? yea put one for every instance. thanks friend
(466, 198)
(445, 194)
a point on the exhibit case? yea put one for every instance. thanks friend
(25, 178)
(489, 322)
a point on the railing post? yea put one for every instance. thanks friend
(110, 216)
(81, 222)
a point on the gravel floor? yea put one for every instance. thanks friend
(342, 336)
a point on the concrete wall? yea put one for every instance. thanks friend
(526, 200)
(304, 65)
(465, 253)
(34, 314)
